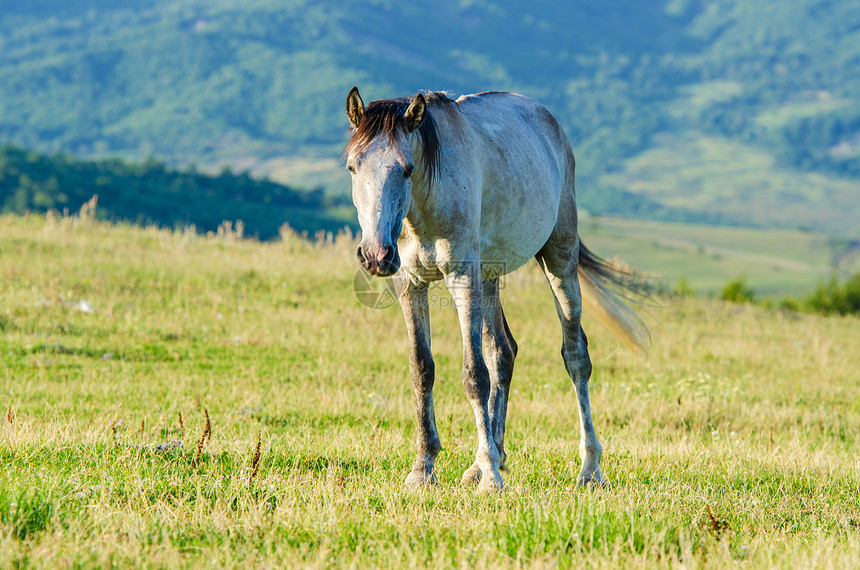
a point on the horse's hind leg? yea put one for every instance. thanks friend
(500, 350)
(416, 310)
(558, 261)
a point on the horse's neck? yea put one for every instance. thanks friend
(420, 189)
(429, 207)
(418, 214)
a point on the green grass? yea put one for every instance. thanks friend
(744, 413)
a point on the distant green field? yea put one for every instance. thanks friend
(734, 443)
(774, 262)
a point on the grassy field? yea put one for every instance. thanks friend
(734, 442)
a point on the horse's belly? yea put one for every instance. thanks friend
(514, 233)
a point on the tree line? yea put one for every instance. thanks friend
(151, 192)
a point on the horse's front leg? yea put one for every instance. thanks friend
(464, 284)
(413, 301)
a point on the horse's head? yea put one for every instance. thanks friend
(380, 160)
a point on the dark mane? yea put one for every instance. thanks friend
(385, 117)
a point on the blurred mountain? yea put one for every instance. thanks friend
(686, 109)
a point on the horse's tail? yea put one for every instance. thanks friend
(596, 280)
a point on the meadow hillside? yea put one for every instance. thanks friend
(733, 112)
(733, 442)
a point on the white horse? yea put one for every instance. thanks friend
(466, 191)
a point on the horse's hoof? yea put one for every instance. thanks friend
(472, 476)
(420, 478)
(491, 484)
(591, 479)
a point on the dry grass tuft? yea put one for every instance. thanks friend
(204, 437)
(715, 526)
(207, 431)
(255, 461)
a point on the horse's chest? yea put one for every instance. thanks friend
(420, 259)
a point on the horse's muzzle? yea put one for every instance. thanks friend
(379, 260)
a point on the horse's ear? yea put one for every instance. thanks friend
(415, 113)
(354, 107)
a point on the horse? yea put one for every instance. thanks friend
(466, 191)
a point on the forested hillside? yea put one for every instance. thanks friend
(213, 82)
(150, 192)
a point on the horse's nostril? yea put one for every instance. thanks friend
(389, 253)
(359, 255)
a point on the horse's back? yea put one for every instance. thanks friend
(526, 125)
(526, 165)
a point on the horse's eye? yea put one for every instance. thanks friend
(351, 168)
(407, 172)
